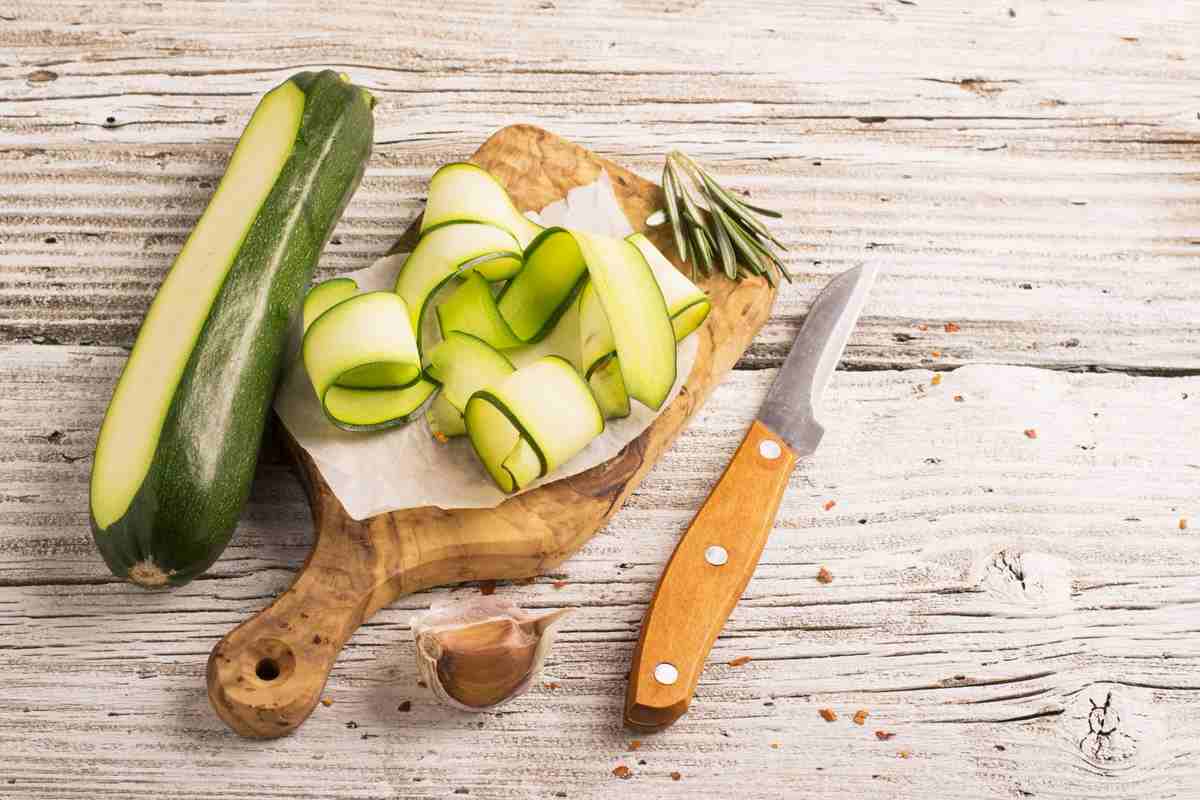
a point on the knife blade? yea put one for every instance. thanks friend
(717, 554)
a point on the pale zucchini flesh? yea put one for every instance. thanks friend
(376, 409)
(464, 364)
(523, 464)
(464, 192)
(532, 421)
(362, 359)
(637, 314)
(445, 252)
(493, 437)
(596, 341)
(535, 299)
(471, 308)
(553, 406)
(609, 388)
(445, 421)
(326, 295)
(557, 264)
(687, 303)
(687, 306)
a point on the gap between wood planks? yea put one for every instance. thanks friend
(898, 366)
(773, 360)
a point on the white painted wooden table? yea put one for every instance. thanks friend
(1023, 614)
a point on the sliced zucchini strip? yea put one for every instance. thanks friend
(464, 192)
(464, 364)
(637, 314)
(687, 305)
(596, 341)
(376, 409)
(326, 295)
(557, 263)
(447, 251)
(609, 388)
(472, 309)
(532, 421)
(445, 421)
(362, 359)
(532, 302)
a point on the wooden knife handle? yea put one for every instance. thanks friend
(697, 592)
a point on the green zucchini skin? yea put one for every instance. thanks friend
(185, 510)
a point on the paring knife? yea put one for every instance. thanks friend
(717, 555)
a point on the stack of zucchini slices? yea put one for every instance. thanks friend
(483, 283)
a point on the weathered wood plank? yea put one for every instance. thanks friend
(988, 587)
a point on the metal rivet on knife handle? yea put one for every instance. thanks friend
(768, 448)
(666, 674)
(716, 555)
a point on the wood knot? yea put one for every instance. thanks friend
(1103, 724)
(1026, 577)
(1114, 728)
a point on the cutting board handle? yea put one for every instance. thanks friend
(266, 676)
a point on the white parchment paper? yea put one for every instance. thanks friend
(405, 467)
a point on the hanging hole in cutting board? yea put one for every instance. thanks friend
(270, 660)
(267, 669)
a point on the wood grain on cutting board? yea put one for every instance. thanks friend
(265, 678)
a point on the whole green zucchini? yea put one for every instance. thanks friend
(177, 450)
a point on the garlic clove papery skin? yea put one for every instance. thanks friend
(479, 652)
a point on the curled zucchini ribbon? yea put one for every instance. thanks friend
(500, 282)
(361, 356)
(687, 306)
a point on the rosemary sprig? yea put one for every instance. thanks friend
(714, 227)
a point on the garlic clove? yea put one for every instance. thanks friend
(482, 664)
(476, 653)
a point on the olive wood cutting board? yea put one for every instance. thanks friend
(267, 675)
